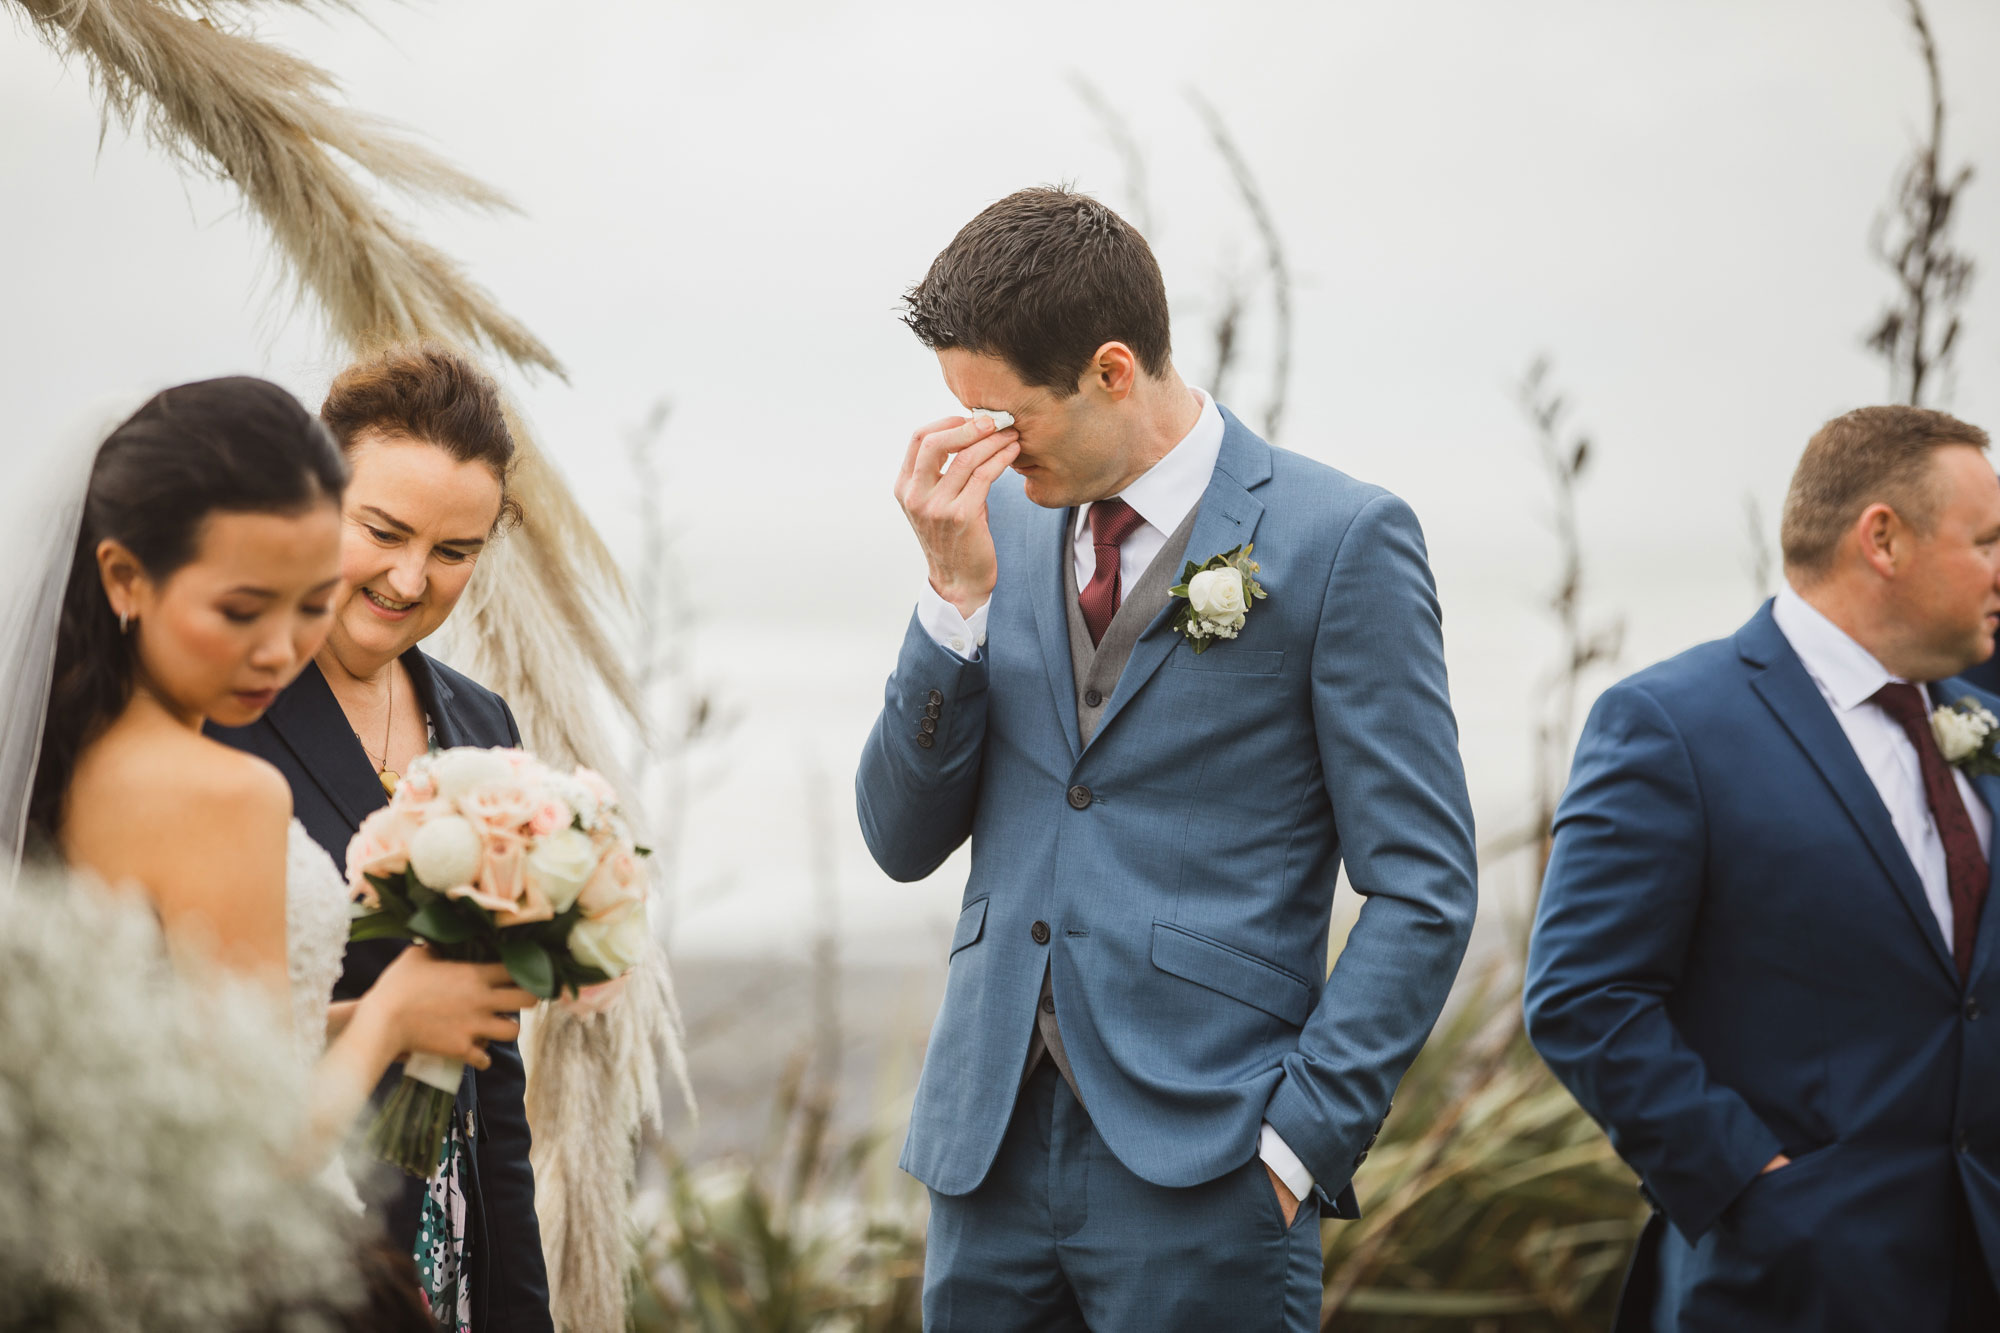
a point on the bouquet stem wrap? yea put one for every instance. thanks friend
(410, 1132)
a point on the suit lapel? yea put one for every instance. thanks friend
(308, 720)
(1227, 518)
(434, 696)
(1048, 547)
(1789, 692)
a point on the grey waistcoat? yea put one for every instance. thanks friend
(1096, 671)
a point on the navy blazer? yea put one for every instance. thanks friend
(334, 787)
(1733, 957)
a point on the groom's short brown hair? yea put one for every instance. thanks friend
(1042, 279)
(1872, 455)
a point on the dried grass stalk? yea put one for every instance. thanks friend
(531, 627)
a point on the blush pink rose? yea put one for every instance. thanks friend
(594, 1000)
(552, 816)
(381, 846)
(618, 880)
(506, 806)
(596, 784)
(503, 878)
(533, 905)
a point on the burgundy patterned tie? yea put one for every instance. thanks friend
(1111, 522)
(1965, 865)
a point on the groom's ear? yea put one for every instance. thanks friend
(1113, 371)
(124, 578)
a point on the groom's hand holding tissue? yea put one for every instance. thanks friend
(1167, 681)
(949, 467)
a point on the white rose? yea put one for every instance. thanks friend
(464, 770)
(614, 942)
(446, 853)
(1958, 734)
(1217, 594)
(560, 865)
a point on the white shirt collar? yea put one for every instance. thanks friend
(1847, 674)
(1169, 490)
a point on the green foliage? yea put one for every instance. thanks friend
(785, 1242)
(1491, 1201)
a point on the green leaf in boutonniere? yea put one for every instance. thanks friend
(1969, 736)
(1216, 597)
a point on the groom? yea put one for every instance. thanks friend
(1142, 1085)
(1765, 958)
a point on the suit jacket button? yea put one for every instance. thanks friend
(1359, 1158)
(1972, 1009)
(1040, 932)
(1048, 1004)
(1079, 797)
(936, 697)
(1092, 699)
(926, 740)
(931, 710)
(927, 725)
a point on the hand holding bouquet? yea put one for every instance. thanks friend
(492, 856)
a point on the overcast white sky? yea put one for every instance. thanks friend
(722, 202)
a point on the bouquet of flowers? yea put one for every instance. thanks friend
(492, 856)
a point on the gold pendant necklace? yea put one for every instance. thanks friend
(389, 780)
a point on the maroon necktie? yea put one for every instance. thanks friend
(1965, 865)
(1111, 522)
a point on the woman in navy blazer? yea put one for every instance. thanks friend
(430, 451)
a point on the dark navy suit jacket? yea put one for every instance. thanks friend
(334, 788)
(1732, 958)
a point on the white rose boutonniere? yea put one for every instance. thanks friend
(1218, 596)
(1969, 736)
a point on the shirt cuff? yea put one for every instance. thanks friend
(964, 635)
(1284, 1162)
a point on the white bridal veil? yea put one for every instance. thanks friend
(41, 507)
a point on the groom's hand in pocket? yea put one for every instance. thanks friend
(949, 467)
(1288, 1202)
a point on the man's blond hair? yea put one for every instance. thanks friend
(1872, 455)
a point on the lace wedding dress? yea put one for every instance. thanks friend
(315, 943)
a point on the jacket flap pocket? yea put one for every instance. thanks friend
(1228, 658)
(971, 922)
(1231, 972)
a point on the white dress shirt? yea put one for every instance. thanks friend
(1848, 676)
(1163, 496)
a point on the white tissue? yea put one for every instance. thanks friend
(1001, 420)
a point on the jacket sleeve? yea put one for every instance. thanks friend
(517, 1284)
(1388, 747)
(1618, 906)
(918, 783)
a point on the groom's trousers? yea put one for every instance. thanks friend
(1060, 1236)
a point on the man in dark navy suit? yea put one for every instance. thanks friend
(1764, 958)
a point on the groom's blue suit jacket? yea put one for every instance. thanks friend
(1732, 958)
(1178, 873)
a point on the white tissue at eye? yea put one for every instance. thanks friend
(1001, 420)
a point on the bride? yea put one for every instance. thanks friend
(182, 574)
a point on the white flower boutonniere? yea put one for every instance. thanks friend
(1969, 736)
(1217, 597)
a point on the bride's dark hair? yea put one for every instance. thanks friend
(236, 446)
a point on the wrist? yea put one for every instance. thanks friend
(371, 1024)
(965, 599)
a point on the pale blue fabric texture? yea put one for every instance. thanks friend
(1178, 874)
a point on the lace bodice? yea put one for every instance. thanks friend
(315, 936)
(315, 943)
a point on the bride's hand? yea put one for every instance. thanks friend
(426, 1003)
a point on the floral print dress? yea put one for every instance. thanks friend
(444, 1240)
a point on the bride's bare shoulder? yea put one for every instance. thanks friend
(156, 778)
